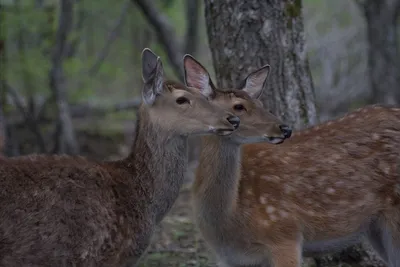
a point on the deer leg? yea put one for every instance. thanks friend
(286, 253)
(384, 236)
(375, 239)
(391, 244)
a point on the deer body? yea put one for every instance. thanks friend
(323, 189)
(70, 211)
(97, 208)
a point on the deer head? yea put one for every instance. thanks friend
(180, 109)
(256, 123)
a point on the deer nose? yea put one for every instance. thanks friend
(286, 130)
(234, 120)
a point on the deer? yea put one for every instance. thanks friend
(272, 202)
(60, 210)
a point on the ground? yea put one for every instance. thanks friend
(177, 242)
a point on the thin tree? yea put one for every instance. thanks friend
(381, 17)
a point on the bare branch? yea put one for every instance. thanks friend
(165, 33)
(17, 99)
(111, 38)
(67, 138)
(192, 22)
(74, 44)
(88, 110)
(29, 117)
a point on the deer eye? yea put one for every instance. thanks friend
(239, 107)
(182, 100)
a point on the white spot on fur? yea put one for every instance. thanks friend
(273, 217)
(265, 223)
(271, 178)
(310, 212)
(283, 214)
(285, 160)
(330, 190)
(339, 183)
(263, 200)
(270, 209)
(288, 188)
(375, 136)
(261, 154)
(390, 131)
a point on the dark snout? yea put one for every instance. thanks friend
(286, 130)
(234, 120)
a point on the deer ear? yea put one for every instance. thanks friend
(197, 76)
(152, 74)
(254, 82)
(149, 62)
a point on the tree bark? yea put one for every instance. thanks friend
(192, 28)
(2, 83)
(244, 35)
(383, 49)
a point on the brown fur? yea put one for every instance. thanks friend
(323, 189)
(70, 211)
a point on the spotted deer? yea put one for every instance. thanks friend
(71, 211)
(321, 190)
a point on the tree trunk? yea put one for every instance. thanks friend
(66, 141)
(383, 49)
(244, 35)
(2, 83)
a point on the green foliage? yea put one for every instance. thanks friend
(292, 11)
(30, 33)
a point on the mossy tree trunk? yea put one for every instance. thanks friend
(244, 35)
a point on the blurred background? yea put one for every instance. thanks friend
(71, 77)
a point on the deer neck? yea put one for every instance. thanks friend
(216, 185)
(160, 160)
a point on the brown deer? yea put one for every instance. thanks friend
(70, 211)
(321, 190)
